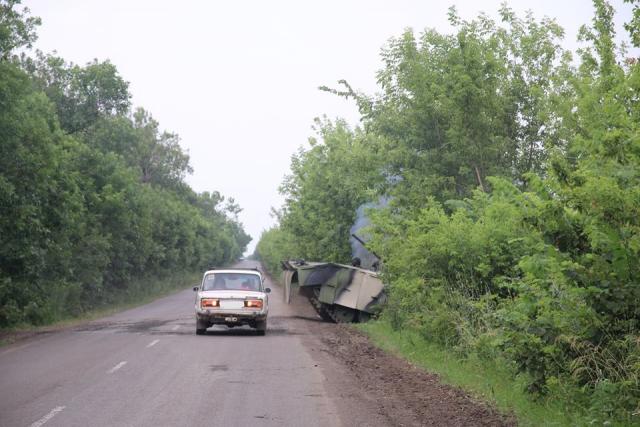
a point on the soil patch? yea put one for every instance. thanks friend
(403, 389)
(378, 388)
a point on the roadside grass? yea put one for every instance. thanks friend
(491, 381)
(139, 292)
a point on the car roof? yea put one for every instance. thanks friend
(235, 270)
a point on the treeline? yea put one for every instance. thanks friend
(512, 170)
(92, 194)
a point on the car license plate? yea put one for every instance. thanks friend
(231, 304)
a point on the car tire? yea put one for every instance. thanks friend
(261, 327)
(201, 327)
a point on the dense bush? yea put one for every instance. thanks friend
(326, 185)
(512, 230)
(273, 247)
(92, 197)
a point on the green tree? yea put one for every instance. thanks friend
(326, 185)
(457, 108)
(512, 232)
(159, 155)
(17, 29)
(40, 205)
(92, 200)
(82, 95)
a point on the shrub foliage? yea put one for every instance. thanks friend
(512, 170)
(92, 195)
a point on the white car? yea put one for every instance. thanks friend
(232, 297)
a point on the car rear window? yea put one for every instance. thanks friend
(231, 282)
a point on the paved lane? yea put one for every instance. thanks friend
(146, 367)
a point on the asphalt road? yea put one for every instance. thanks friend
(146, 367)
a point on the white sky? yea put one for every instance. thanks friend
(237, 80)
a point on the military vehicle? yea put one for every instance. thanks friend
(339, 293)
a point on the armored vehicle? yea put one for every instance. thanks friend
(339, 293)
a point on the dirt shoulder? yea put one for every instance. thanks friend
(403, 394)
(373, 388)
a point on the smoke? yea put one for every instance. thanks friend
(357, 248)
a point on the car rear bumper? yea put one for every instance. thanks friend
(225, 317)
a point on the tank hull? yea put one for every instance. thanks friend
(338, 292)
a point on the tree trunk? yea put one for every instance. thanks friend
(479, 178)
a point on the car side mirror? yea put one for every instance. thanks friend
(267, 290)
(195, 288)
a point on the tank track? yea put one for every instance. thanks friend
(327, 312)
(321, 308)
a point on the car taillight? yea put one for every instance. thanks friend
(253, 303)
(209, 302)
